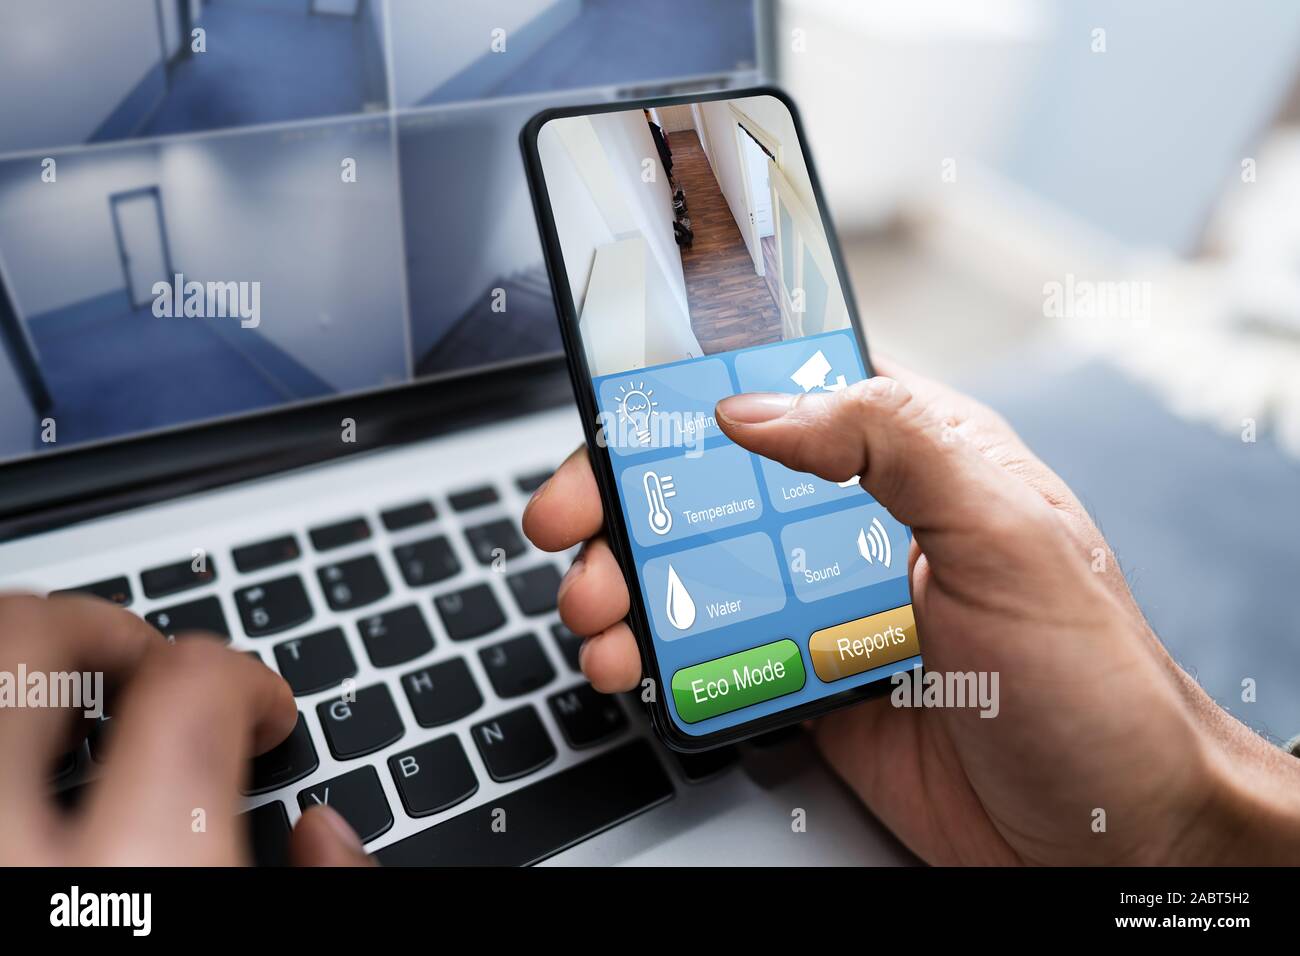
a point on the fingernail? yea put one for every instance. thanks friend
(536, 496)
(575, 571)
(752, 408)
(342, 830)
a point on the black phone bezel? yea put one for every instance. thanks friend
(585, 396)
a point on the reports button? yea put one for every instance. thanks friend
(864, 644)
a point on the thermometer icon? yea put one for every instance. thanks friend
(658, 489)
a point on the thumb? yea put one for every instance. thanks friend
(323, 838)
(907, 455)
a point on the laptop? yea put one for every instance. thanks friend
(280, 362)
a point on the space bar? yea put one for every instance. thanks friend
(543, 818)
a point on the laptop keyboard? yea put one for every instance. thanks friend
(423, 645)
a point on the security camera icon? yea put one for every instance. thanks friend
(812, 374)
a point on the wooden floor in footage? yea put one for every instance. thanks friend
(731, 306)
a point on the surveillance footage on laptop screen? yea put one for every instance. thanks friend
(699, 267)
(234, 205)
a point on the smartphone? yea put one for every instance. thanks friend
(691, 258)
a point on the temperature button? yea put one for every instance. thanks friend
(678, 497)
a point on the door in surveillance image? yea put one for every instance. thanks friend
(699, 267)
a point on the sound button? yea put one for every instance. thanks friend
(843, 551)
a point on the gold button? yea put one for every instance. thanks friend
(869, 642)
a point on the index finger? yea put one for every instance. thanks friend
(188, 724)
(566, 510)
(68, 635)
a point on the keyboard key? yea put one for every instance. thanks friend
(315, 662)
(181, 576)
(396, 636)
(117, 590)
(707, 763)
(353, 583)
(264, 554)
(268, 834)
(426, 562)
(535, 589)
(358, 797)
(442, 693)
(433, 776)
(336, 535)
(470, 612)
(495, 540)
(596, 795)
(586, 717)
(570, 645)
(513, 744)
(530, 483)
(273, 606)
(516, 666)
(286, 763)
(362, 726)
(473, 498)
(205, 614)
(407, 516)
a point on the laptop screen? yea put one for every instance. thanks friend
(216, 207)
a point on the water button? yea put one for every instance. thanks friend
(712, 586)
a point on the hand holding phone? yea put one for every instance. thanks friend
(1012, 579)
(691, 260)
(1007, 586)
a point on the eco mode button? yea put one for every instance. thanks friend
(738, 680)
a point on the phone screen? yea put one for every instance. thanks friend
(689, 248)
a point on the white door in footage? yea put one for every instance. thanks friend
(810, 296)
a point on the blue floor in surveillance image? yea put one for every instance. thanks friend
(297, 282)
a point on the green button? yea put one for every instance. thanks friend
(738, 680)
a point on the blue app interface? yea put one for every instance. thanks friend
(698, 266)
(735, 552)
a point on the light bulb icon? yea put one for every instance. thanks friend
(636, 405)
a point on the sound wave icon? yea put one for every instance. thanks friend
(873, 544)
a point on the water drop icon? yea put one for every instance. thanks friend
(680, 607)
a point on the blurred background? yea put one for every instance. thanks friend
(1085, 213)
(1088, 215)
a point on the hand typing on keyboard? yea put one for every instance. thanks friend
(186, 720)
(1010, 576)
